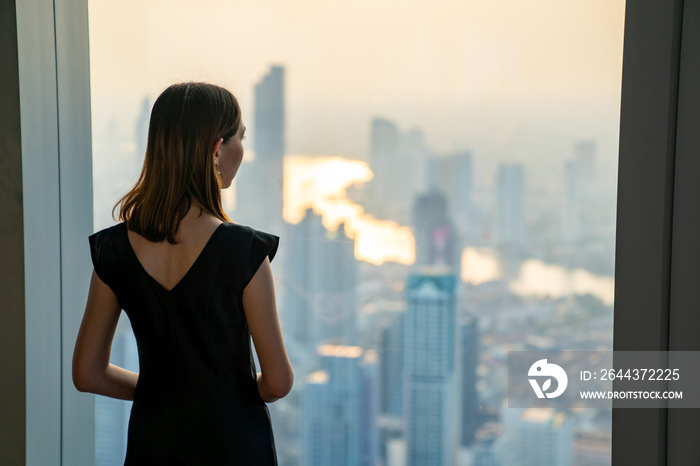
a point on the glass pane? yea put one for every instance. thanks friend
(442, 176)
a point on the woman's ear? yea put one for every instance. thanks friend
(216, 147)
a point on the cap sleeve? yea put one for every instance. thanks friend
(98, 255)
(262, 245)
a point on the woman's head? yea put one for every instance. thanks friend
(193, 151)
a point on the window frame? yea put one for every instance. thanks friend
(656, 258)
(48, 77)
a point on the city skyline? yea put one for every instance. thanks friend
(283, 417)
(455, 97)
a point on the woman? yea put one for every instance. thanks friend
(195, 287)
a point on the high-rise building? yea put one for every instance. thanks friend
(269, 116)
(333, 285)
(415, 161)
(384, 136)
(370, 408)
(588, 207)
(436, 237)
(484, 454)
(593, 446)
(385, 163)
(510, 209)
(391, 345)
(297, 312)
(493, 448)
(585, 155)
(431, 402)
(141, 135)
(320, 282)
(540, 436)
(572, 202)
(453, 174)
(399, 162)
(332, 409)
(469, 347)
(260, 184)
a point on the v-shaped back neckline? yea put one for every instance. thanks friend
(187, 273)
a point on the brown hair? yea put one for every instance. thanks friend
(186, 121)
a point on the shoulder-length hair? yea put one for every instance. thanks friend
(186, 121)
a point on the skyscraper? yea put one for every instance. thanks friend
(269, 116)
(385, 163)
(260, 184)
(333, 284)
(141, 134)
(370, 408)
(320, 282)
(540, 436)
(399, 162)
(431, 404)
(297, 312)
(493, 448)
(332, 410)
(415, 157)
(391, 345)
(436, 237)
(585, 158)
(587, 192)
(572, 202)
(469, 346)
(453, 174)
(510, 209)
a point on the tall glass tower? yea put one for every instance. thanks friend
(259, 189)
(510, 215)
(333, 417)
(321, 278)
(431, 404)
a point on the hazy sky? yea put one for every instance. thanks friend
(478, 74)
(507, 79)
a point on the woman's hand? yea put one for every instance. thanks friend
(92, 371)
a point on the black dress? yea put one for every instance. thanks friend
(196, 401)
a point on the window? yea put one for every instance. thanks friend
(478, 139)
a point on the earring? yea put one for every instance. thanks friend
(218, 172)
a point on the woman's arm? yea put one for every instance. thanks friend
(276, 377)
(92, 371)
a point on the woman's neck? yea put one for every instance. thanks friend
(196, 217)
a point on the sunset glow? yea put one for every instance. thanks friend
(535, 277)
(538, 278)
(478, 268)
(320, 183)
